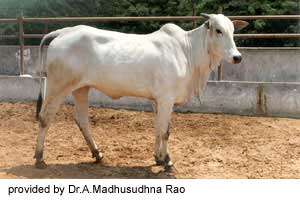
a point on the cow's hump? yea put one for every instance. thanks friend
(172, 29)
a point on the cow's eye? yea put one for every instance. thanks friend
(218, 31)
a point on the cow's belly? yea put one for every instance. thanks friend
(128, 83)
(116, 91)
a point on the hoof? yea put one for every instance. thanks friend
(169, 166)
(159, 162)
(98, 157)
(169, 169)
(40, 165)
(166, 162)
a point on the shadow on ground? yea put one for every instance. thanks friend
(89, 171)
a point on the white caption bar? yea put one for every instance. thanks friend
(134, 189)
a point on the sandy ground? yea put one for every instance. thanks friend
(201, 145)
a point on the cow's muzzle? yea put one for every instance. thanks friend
(237, 59)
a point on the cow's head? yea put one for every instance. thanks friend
(220, 37)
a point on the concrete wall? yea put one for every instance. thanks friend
(243, 98)
(9, 63)
(259, 64)
(14, 89)
(265, 65)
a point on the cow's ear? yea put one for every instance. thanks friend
(239, 24)
(206, 24)
(206, 16)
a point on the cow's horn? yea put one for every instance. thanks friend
(205, 15)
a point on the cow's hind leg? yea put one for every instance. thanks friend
(48, 111)
(81, 105)
(163, 117)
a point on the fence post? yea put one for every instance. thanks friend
(21, 42)
(220, 69)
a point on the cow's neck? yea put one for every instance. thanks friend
(201, 60)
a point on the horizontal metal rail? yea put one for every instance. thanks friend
(34, 35)
(266, 17)
(109, 19)
(155, 18)
(271, 35)
(8, 20)
(8, 37)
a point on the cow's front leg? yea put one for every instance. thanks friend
(164, 111)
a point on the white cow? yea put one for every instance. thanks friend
(168, 66)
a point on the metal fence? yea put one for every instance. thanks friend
(22, 36)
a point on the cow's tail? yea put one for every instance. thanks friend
(42, 93)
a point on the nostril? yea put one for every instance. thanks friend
(237, 59)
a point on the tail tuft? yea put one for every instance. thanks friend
(39, 104)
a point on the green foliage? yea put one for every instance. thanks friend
(74, 8)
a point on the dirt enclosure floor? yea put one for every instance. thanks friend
(201, 145)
